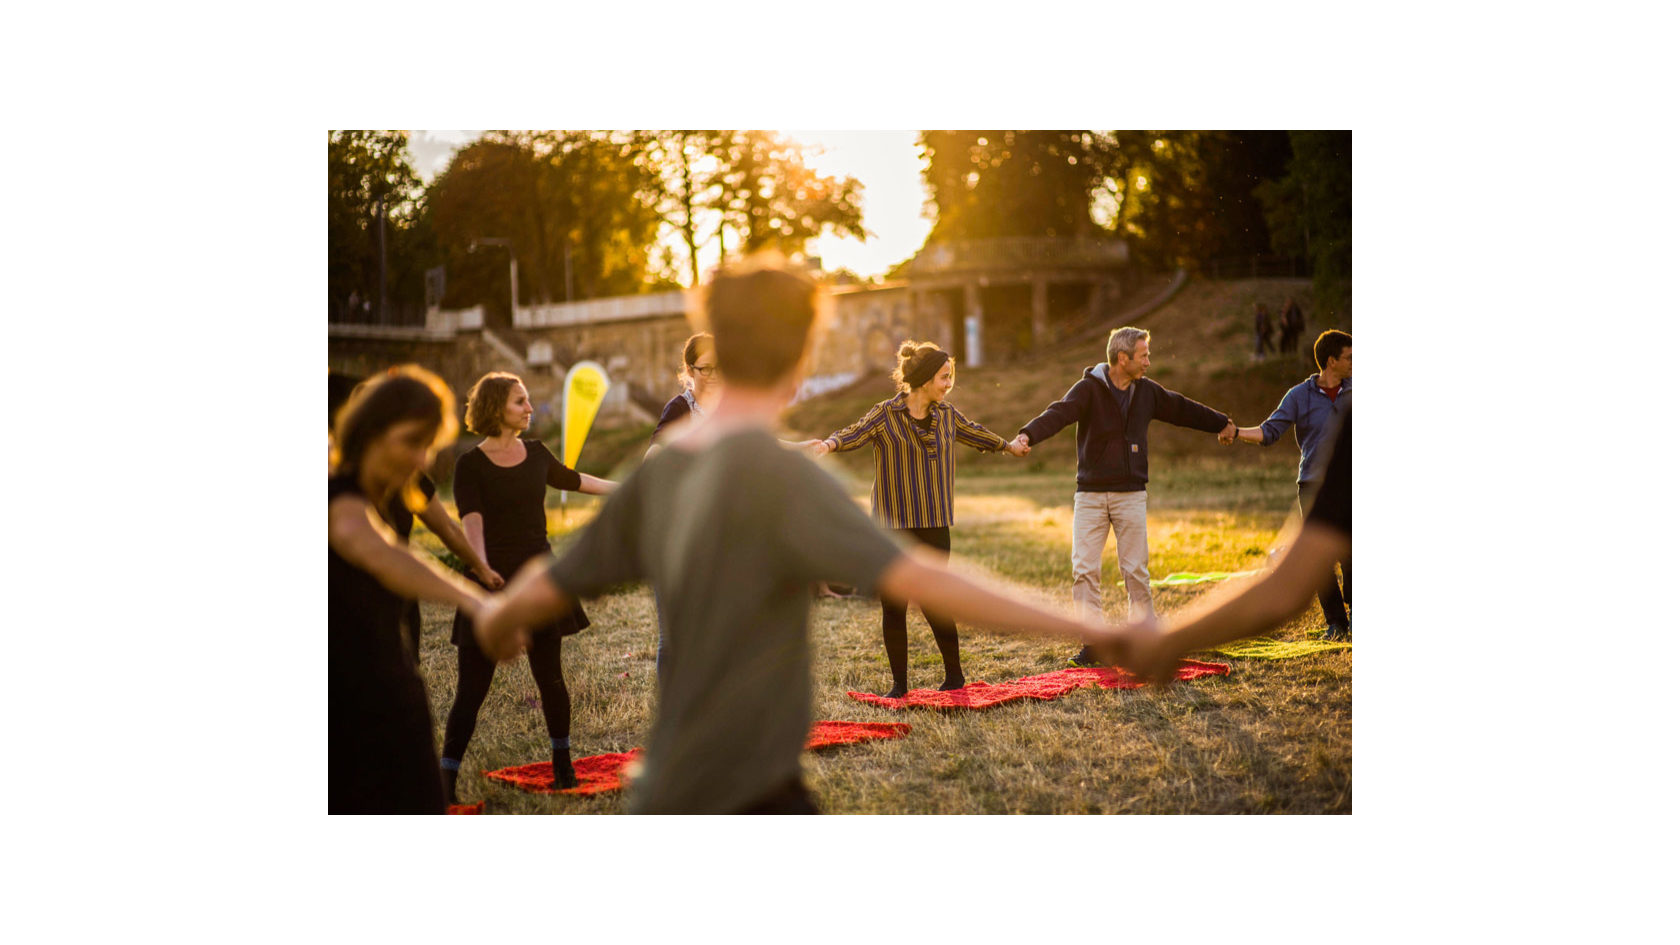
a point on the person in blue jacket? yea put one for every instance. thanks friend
(1315, 407)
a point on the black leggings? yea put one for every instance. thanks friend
(1331, 597)
(476, 671)
(894, 632)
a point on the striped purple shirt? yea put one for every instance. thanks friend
(915, 470)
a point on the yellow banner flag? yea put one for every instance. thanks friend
(585, 388)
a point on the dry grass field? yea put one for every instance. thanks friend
(1270, 737)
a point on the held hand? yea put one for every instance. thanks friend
(818, 447)
(502, 645)
(1149, 654)
(1228, 435)
(1017, 447)
(491, 579)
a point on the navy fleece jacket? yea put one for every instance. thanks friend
(1114, 443)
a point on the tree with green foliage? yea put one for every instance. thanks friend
(1310, 208)
(373, 223)
(1180, 198)
(987, 184)
(578, 207)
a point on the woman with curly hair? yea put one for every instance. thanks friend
(500, 487)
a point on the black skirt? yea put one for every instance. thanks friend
(507, 564)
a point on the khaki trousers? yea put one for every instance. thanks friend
(1094, 513)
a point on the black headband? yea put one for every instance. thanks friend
(927, 370)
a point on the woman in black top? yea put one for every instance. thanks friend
(397, 514)
(701, 386)
(379, 727)
(499, 491)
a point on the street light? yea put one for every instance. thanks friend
(513, 272)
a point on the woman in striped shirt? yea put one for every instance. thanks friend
(914, 435)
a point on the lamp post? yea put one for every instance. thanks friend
(513, 271)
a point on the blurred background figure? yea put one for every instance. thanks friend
(1262, 330)
(379, 724)
(1293, 324)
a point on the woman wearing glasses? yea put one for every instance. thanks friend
(701, 386)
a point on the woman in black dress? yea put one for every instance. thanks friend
(701, 386)
(400, 517)
(499, 491)
(379, 726)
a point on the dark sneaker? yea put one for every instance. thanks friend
(1338, 634)
(1084, 658)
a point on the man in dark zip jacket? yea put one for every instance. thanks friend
(1113, 404)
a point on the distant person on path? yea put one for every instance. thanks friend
(915, 433)
(1293, 324)
(1113, 404)
(380, 757)
(1326, 537)
(500, 487)
(1314, 407)
(701, 387)
(731, 529)
(1262, 330)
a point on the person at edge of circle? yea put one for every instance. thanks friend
(500, 487)
(1326, 536)
(437, 518)
(914, 433)
(730, 529)
(701, 387)
(1113, 404)
(1313, 407)
(380, 755)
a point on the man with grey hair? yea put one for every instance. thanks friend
(1112, 405)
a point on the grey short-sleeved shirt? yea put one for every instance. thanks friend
(731, 539)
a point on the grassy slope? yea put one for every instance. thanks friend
(1271, 737)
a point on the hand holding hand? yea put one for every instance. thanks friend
(1148, 653)
(491, 579)
(501, 645)
(1228, 435)
(817, 447)
(1017, 446)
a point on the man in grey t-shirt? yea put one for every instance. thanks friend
(731, 530)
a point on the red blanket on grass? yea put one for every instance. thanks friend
(1044, 686)
(601, 773)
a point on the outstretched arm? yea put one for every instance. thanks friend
(359, 538)
(975, 436)
(1261, 606)
(592, 485)
(865, 430)
(913, 577)
(442, 524)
